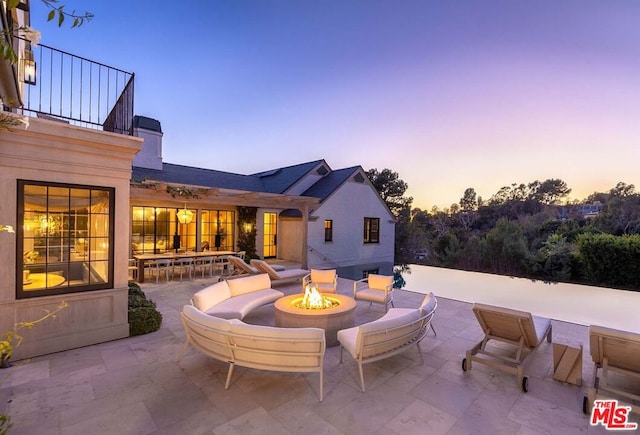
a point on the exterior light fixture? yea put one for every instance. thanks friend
(28, 68)
(185, 216)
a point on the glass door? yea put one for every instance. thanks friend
(270, 235)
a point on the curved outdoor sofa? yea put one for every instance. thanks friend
(235, 298)
(398, 330)
(254, 346)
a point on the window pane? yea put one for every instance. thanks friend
(63, 231)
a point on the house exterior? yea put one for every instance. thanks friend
(308, 213)
(86, 187)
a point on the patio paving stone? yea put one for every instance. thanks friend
(137, 386)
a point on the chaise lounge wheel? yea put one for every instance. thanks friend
(464, 364)
(525, 384)
(585, 404)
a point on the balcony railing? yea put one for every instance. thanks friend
(77, 90)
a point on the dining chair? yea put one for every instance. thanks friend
(204, 264)
(184, 265)
(220, 264)
(132, 268)
(160, 265)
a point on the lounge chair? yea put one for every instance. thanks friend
(375, 288)
(240, 267)
(285, 275)
(519, 328)
(618, 353)
(325, 281)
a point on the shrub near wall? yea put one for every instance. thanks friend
(143, 315)
(606, 259)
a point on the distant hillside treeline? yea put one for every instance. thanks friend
(522, 230)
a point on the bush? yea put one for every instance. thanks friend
(610, 260)
(143, 315)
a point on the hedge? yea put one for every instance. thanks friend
(610, 260)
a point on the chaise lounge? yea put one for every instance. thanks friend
(283, 276)
(615, 354)
(518, 328)
(241, 268)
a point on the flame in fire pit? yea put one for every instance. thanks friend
(314, 300)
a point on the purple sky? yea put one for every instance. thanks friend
(449, 94)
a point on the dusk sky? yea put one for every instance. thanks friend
(449, 94)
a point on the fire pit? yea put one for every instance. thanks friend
(315, 310)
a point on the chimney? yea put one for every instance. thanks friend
(150, 155)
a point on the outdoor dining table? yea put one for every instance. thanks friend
(143, 258)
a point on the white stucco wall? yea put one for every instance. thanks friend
(348, 207)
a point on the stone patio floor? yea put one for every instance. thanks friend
(135, 385)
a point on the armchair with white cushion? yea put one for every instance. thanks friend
(375, 289)
(325, 281)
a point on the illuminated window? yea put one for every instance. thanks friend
(64, 238)
(217, 230)
(153, 228)
(371, 230)
(328, 230)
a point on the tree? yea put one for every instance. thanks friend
(504, 249)
(622, 190)
(468, 206)
(549, 191)
(391, 189)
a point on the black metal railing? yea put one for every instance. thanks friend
(80, 91)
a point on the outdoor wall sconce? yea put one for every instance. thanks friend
(247, 227)
(185, 216)
(28, 68)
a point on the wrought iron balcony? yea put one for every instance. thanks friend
(73, 89)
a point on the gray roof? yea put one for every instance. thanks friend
(189, 175)
(274, 181)
(330, 182)
(281, 179)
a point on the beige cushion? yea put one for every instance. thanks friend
(239, 306)
(379, 282)
(210, 296)
(240, 286)
(428, 304)
(323, 276)
(370, 295)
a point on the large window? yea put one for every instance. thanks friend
(371, 230)
(65, 238)
(155, 230)
(217, 230)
